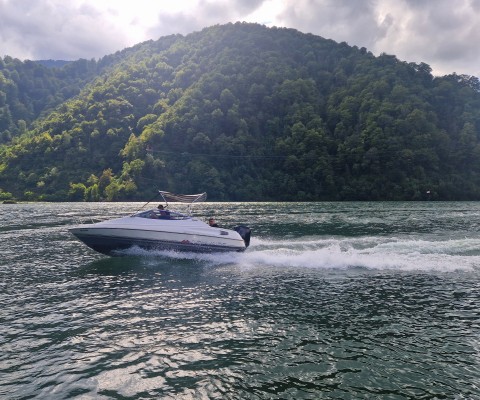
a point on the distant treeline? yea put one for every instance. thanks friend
(243, 112)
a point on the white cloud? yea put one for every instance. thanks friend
(442, 33)
(341, 20)
(54, 29)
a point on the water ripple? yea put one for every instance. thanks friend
(279, 321)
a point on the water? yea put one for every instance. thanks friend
(331, 300)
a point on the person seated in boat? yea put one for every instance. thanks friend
(212, 223)
(164, 214)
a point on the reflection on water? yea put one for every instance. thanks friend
(388, 310)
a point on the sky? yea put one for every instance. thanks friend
(442, 33)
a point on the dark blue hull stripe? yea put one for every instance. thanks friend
(109, 245)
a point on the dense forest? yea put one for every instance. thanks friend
(243, 112)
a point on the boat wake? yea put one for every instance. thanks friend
(376, 253)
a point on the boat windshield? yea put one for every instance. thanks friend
(162, 214)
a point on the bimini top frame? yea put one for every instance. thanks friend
(183, 198)
(177, 198)
(190, 199)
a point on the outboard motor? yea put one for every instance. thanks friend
(244, 232)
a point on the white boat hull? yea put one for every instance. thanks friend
(192, 235)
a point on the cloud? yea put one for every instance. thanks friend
(56, 29)
(441, 33)
(201, 14)
(341, 20)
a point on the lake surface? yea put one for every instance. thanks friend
(331, 300)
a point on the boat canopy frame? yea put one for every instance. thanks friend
(183, 198)
(189, 199)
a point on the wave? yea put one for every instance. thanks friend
(375, 253)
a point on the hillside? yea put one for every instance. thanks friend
(243, 112)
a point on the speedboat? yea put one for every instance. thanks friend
(162, 229)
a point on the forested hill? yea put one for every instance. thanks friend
(243, 112)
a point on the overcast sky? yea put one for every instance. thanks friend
(442, 33)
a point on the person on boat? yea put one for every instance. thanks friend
(164, 214)
(212, 223)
